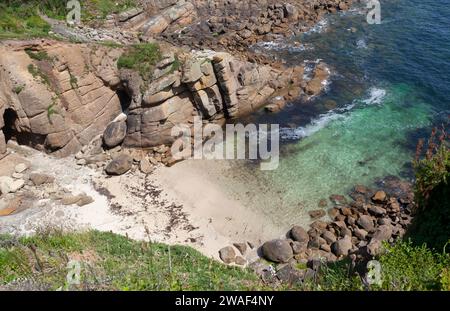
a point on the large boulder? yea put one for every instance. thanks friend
(366, 222)
(115, 134)
(119, 165)
(277, 251)
(227, 254)
(342, 247)
(299, 234)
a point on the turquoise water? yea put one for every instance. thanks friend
(389, 86)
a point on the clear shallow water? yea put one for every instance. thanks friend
(390, 84)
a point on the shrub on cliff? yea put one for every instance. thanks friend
(141, 58)
(432, 192)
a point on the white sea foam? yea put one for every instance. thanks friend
(321, 26)
(279, 46)
(361, 44)
(316, 124)
(376, 96)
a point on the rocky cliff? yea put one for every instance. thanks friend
(58, 96)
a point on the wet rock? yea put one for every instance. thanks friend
(119, 165)
(299, 234)
(323, 203)
(346, 211)
(342, 246)
(277, 251)
(227, 255)
(361, 189)
(366, 223)
(316, 214)
(379, 197)
(41, 179)
(338, 199)
(333, 212)
(114, 134)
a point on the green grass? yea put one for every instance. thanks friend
(37, 55)
(21, 19)
(18, 89)
(141, 58)
(36, 72)
(115, 262)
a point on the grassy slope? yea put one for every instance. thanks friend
(114, 262)
(20, 19)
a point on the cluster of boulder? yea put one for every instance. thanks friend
(22, 186)
(236, 25)
(357, 230)
(105, 153)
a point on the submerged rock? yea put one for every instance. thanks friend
(316, 214)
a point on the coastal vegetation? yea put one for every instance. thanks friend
(141, 58)
(113, 262)
(23, 18)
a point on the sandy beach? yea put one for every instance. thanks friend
(183, 204)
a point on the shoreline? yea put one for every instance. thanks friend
(161, 207)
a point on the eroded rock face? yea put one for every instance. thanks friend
(212, 85)
(63, 97)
